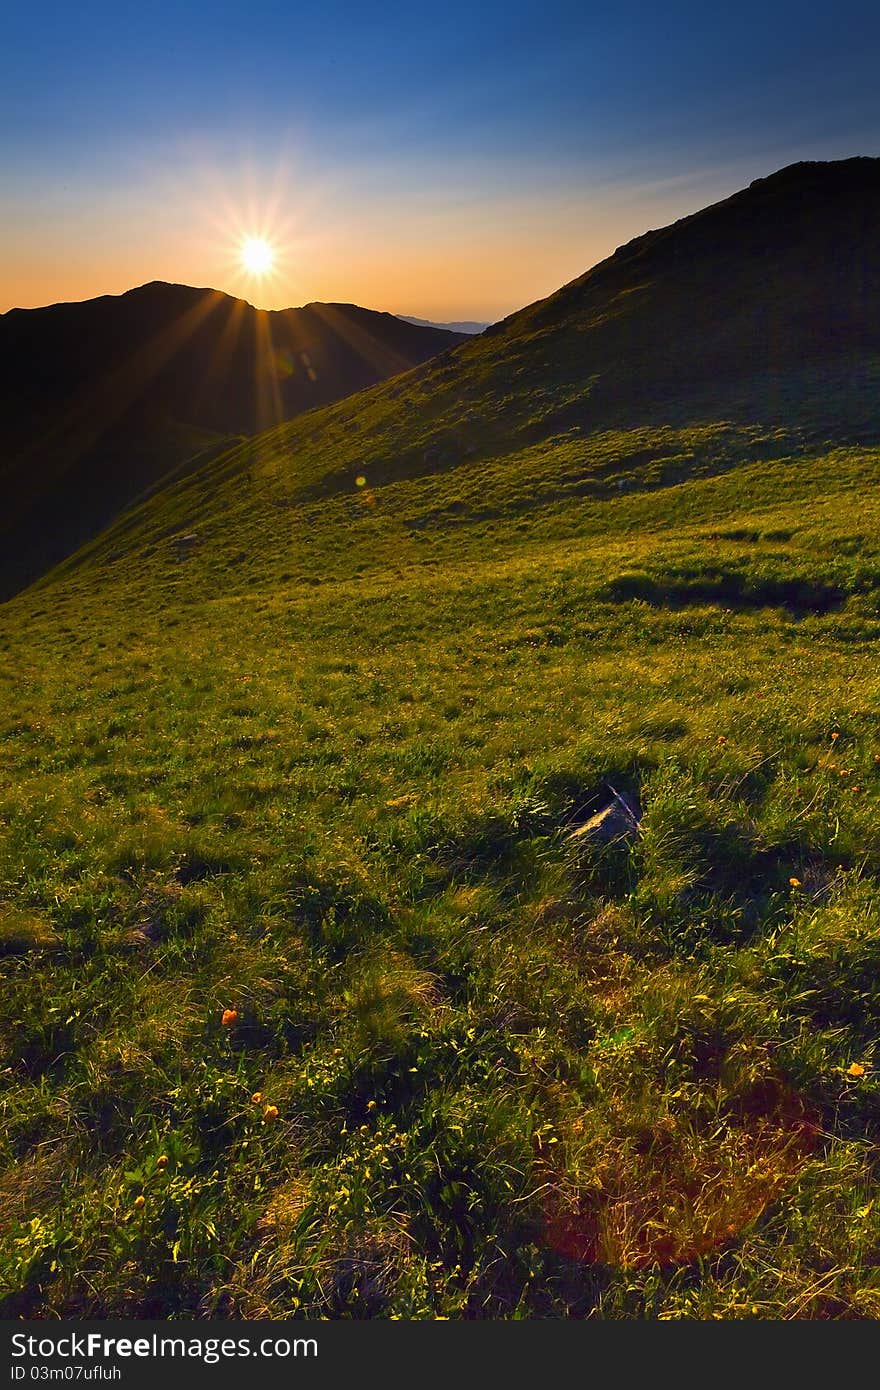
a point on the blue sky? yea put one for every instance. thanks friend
(450, 160)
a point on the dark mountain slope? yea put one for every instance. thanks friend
(784, 272)
(101, 399)
(764, 309)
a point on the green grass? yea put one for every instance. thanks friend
(318, 769)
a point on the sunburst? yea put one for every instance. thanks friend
(257, 256)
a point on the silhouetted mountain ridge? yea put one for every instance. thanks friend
(782, 270)
(764, 303)
(211, 360)
(101, 399)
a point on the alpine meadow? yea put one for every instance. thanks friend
(440, 833)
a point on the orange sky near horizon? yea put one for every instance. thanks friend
(443, 282)
(476, 273)
(445, 256)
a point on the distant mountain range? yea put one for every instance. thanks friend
(469, 326)
(101, 399)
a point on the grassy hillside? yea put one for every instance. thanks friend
(102, 399)
(311, 1005)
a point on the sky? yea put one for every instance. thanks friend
(452, 160)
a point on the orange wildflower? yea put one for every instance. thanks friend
(230, 1018)
(270, 1112)
(855, 1069)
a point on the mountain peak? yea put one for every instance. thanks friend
(856, 169)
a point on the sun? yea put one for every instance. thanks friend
(257, 256)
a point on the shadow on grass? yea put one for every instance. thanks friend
(734, 589)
